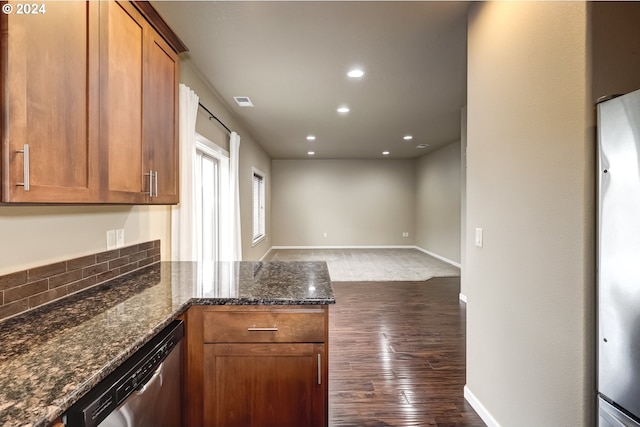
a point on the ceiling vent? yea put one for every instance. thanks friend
(243, 101)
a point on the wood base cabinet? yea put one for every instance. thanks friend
(258, 366)
(253, 385)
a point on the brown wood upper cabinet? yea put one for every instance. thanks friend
(49, 110)
(139, 97)
(88, 105)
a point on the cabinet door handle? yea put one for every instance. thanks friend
(254, 329)
(150, 175)
(25, 170)
(156, 182)
(319, 369)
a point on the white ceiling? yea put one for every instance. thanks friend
(291, 58)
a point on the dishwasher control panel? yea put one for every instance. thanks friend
(141, 374)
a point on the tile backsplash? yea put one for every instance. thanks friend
(23, 290)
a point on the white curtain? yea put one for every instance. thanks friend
(184, 245)
(234, 194)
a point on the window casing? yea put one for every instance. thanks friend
(259, 219)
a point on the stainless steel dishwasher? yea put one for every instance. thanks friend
(143, 392)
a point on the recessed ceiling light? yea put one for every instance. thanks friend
(343, 110)
(421, 146)
(311, 138)
(407, 137)
(243, 101)
(355, 73)
(311, 153)
(385, 153)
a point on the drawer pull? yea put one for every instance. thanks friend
(262, 329)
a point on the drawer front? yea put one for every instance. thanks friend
(295, 325)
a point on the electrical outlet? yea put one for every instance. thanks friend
(405, 234)
(325, 234)
(119, 237)
(111, 239)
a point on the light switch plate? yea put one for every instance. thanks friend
(479, 237)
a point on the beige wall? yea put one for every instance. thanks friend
(39, 235)
(356, 202)
(251, 154)
(530, 187)
(535, 70)
(438, 187)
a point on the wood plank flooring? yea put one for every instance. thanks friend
(397, 355)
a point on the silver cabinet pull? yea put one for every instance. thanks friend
(319, 369)
(253, 329)
(156, 181)
(25, 172)
(153, 183)
(150, 175)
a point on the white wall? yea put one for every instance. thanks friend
(530, 187)
(438, 202)
(356, 202)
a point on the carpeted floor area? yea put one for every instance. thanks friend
(373, 265)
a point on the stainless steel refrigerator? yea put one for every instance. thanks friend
(619, 261)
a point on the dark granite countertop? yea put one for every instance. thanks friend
(52, 356)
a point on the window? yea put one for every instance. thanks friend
(208, 215)
(211, 189)
(258, 206)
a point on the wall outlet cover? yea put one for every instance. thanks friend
(119, 237)
(111, 239)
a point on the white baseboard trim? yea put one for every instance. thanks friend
(440, 257)
(462, 297)
(479, 408)
(346, 247)
(265, 254)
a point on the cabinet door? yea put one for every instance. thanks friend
(264, 385)
(121, 57)
(48, 88)
(160, 117)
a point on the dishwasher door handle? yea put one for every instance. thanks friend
(157, 376)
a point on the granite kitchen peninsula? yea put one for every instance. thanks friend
(257, 319)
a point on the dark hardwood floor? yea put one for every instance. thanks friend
(397, 355)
